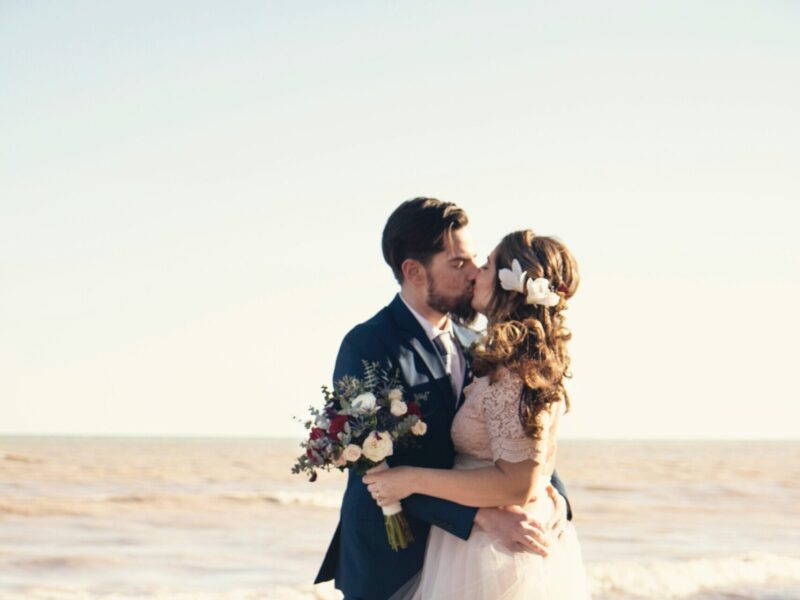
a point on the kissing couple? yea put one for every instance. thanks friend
(489, 516)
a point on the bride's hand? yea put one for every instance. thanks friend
(390, 486)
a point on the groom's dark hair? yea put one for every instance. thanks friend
(417, 229)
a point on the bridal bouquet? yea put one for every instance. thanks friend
(361, 423)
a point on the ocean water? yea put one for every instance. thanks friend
(204, 518)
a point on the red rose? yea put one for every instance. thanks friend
(313, 457)
(413, 409)
(317, 433)
(337, 426)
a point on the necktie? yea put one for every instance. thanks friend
(446, 346)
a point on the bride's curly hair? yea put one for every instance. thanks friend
(530, 340)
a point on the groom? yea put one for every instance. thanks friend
(426, 244)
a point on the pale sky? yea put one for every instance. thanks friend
(192, 197)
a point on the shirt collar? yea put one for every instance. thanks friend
(430, 329)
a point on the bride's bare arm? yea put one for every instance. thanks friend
(505, 483)
(519, 461)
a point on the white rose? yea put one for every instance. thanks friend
(351, 453)
(365, 403)
(419, 428)
(378, 446)
(340, 460)
(395, 395)
(399, 408)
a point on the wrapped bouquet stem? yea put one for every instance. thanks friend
(397, 529)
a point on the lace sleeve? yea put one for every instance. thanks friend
(507, 437)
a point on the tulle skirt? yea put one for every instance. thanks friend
(481, 568)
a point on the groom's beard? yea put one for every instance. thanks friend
(459, 307)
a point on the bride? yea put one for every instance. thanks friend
(504, 434)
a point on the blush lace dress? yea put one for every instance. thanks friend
(485, 429)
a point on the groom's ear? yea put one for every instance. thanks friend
(413, 272)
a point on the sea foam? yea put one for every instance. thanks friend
(748, 575)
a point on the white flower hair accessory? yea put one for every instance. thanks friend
(512, 279)
(539, 293)
(538, 290)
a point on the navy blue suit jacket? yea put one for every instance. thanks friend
(359, 558)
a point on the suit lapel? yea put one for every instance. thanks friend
(413, 334)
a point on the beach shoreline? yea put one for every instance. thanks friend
(104, 517)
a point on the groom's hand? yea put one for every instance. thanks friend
(515, 529)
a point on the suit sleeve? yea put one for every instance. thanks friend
(559, 485)
(348, 361)
(453, 518)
